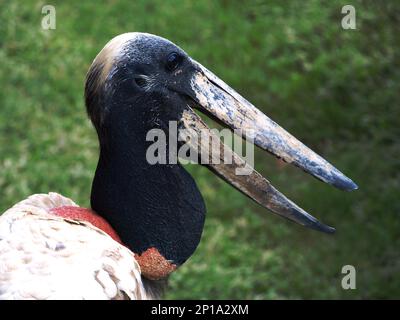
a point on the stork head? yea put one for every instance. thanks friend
(139, 82)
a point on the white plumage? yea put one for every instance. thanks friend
(43, 256)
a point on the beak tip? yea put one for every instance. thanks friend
(353, 186)
(307, 220)
(319, 226)
(326, 229)
(347, 185)
(342, 182)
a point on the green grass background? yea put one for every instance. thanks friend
(336, 90)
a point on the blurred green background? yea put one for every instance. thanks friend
(336, 90)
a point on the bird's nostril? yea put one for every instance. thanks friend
(140, 81)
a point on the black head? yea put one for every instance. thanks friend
(140, 70)
(139, 82)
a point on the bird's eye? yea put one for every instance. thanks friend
(173, 61)
(140, 81)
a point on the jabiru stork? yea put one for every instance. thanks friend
(145, 219)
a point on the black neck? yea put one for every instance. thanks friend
(148, 205)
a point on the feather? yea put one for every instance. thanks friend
(43, 256)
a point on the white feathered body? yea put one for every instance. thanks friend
(43, 256)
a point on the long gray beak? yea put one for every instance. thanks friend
(214, 97)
